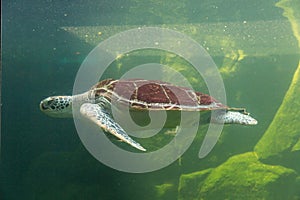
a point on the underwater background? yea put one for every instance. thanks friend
(255, 45)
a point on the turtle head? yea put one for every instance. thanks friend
(57, 106)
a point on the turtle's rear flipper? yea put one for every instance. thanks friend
(100, 117)
(233, 117)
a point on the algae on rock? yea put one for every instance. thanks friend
(240, 177)
(189, 183)
(283, 134)
(284, 131)
(165, 191)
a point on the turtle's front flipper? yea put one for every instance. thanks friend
(100, 117)
(234, 117)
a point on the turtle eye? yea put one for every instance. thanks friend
(49, 102)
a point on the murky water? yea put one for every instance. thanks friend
(255, 47)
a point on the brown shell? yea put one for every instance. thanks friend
(154, 95)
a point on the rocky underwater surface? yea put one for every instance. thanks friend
(271, 170)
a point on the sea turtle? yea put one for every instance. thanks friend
(140, 95)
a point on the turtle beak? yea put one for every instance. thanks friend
(46, 103)
(42, 106)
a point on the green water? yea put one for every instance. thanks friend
(254, 46)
